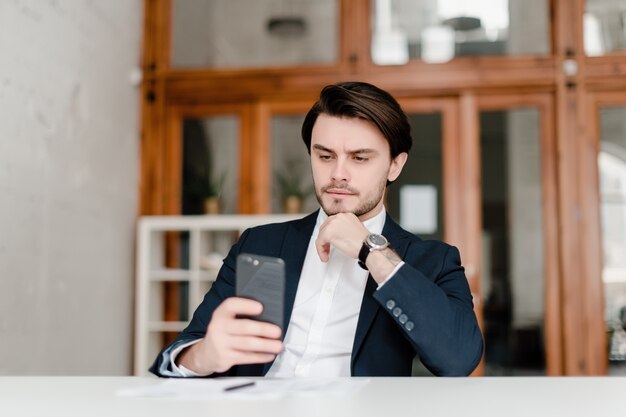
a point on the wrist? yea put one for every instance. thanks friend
(382, 263)
(192, 359)
(372, 243)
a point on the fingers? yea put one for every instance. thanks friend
(344, 231)
(251, 358)
(243, 327)
(249, 350)
(224, 360)
(251, 344)
(323, 249)
(230, 340)
(225, 319)
(234, 306)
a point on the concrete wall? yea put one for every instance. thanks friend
(69, 162)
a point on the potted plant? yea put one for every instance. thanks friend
(292, 189)
(213, 192)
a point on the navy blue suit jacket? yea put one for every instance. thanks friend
(425, 309)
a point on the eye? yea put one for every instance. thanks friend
(361, 159)
(325, 157)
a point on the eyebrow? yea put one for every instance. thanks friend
(356, 151)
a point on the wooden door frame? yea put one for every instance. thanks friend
(263, 113)
(456, 148)
(589, 186)
(173, 148)
(448, 108)
(544, 103)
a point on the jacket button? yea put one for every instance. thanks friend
(390, 304)
(409, 325)
(396, 311)
(403, 318)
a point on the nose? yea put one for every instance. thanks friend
(340, 170)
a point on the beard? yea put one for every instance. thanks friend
(364, 205)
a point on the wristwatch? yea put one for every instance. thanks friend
(371, 243)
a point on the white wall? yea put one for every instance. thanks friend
(69, 162)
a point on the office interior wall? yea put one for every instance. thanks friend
(69, 169)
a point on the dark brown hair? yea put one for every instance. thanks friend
(364, 101)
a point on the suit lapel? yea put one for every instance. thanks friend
(369, 306)
(293, 252)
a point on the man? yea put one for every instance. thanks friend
(363, 296)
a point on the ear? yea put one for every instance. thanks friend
(397, 164)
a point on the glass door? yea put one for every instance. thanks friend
(515, 233)
(611, 169)
(483, 171)
(201, 176)
(425, 198)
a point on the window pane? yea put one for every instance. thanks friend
(253, 33)
(612, 165)
(210, 165)
(415, 199)
(439, 30)
(513, 267)
(292, 185)
(604, 27)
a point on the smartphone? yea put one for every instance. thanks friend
(262, 278)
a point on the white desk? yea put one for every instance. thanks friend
(382, 397)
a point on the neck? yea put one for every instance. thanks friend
(372, 213)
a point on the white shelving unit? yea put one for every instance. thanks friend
(207, 240)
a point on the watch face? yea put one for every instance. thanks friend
(376, 241)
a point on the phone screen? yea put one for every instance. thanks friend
(262, 278)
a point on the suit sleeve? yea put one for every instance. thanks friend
(434, 310)
(222, 288)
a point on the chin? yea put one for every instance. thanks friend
(332, 208)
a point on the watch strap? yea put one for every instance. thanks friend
(363, 254)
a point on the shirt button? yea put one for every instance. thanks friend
(403, 318)
(409, 325)
(396, 311)
(390, 304)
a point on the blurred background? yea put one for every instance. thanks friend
(111, 111)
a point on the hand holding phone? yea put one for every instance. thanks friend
(230, 341)
(262, 278)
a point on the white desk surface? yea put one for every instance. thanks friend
(381, 397)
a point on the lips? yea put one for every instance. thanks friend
(339, 191)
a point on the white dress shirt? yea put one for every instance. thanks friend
(323, 321)
(326, 310)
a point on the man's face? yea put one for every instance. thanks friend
(351, 164)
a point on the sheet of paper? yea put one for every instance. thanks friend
(203, 389)
(184, 388)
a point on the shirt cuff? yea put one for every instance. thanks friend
(391, 275)
(180, 370)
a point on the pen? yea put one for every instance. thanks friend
(234, 387)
